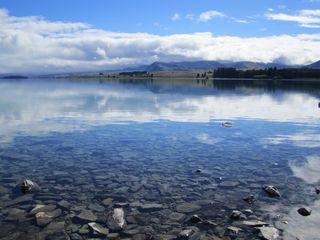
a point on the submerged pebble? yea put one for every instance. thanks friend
(116, 220)
(27, 186)
(304, 211)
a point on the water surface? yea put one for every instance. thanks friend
(141, 143)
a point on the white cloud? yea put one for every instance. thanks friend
(101, 52)
(310, 25)
(209, 15)
(33, 44)
(305, 18)
(175, 17)
(242, 21)
(310, 12)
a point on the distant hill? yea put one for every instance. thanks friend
(182, 66)
(314, 65)
(202, 65)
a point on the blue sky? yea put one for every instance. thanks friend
(242, 18)
(105, 34)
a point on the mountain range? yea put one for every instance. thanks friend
(205, 65)
(315, 65)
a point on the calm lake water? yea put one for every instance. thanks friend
(137, 146)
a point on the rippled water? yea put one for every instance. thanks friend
(101, 145)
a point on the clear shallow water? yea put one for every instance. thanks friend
(87, 141)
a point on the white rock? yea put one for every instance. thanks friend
(116, 220)
(269, 233)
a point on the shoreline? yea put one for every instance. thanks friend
(192, 78)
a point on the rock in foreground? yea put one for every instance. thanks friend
(272, 191)
(268, 233)
(116, 221)
(95, 227)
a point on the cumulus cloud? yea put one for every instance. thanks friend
(309, 18)
(208, 15)
(34, 44)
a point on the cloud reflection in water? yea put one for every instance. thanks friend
(31, 107)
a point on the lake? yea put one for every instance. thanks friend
(158, 152)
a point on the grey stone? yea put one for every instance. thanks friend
(268, 233)
(86, 216)
(84, 230)
(64, 204)
(237, 215)
(272, 191)
(151, 207)
(27, 186)
(98, 228)
(187, 207)
(96, 207)
(19, 200)
(107, 202)
(43, 218)
(250, 199)
(177, 217)
(42, 208)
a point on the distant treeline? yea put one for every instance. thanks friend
(134, 73)
(273, 73)
(14, 77)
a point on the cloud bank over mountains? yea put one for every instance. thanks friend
(34, 44)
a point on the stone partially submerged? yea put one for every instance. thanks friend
(28, 186)
(304, 211)
(227, 124)
(272, 191)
